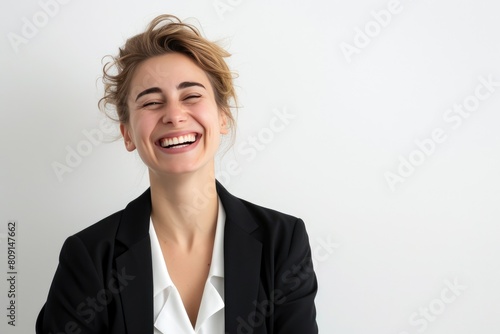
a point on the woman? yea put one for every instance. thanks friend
(186, 256)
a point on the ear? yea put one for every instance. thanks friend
(223, 123)
(129, 145)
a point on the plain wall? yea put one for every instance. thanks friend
(376, 122)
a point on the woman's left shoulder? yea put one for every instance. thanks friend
(268, 214)
(247, 213)
(273, 221)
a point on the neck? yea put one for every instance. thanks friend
(184, 207)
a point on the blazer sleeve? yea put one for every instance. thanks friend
(296, 286)
(77, 298)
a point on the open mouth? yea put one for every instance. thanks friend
(179, 141)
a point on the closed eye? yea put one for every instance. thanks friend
(149, 104)
(192, 97)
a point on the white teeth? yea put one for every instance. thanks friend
(165, 142)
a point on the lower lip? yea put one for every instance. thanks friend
(176, 150)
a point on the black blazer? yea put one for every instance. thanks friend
(104, 280)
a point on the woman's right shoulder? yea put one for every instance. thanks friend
(111, 234)
(98, 237)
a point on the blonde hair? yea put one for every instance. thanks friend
(167, 34)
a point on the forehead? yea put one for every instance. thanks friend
(166, 71)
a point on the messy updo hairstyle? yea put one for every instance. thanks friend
(166, 34)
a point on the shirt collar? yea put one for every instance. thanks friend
(217, 264)
(161, 278)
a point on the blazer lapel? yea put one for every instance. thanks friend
(242, 262)
(136, 264)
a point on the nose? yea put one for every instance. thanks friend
(174, 114)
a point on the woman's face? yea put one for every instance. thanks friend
(174, 122)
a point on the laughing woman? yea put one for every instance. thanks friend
(171, 262)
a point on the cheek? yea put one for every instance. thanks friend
(211, 123)
(206, 117)
(143, 127)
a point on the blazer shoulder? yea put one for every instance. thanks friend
(107, 229)
(250, 215)
(272, 215)
(97, 239)
(271, 221)
(103, 229)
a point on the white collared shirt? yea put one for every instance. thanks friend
(170, 316)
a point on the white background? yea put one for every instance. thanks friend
(383, 256)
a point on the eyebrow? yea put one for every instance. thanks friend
(148, 91)
(182, 85)
(187, 84)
